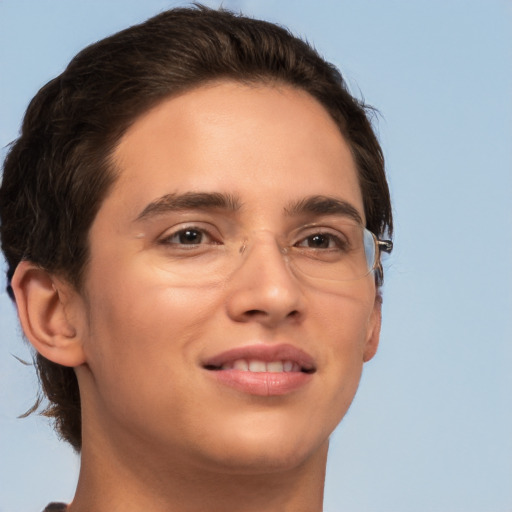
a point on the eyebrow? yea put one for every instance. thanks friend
(324, 205)
(190, 201)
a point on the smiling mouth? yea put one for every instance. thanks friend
(263, 369)
(260, 366)
(262, 358)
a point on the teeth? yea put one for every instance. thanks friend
(275, 366)
(261, 366)
(257, 366)
(241, 364)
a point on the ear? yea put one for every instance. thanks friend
(44, 304)
(373, 336)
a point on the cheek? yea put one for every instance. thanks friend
(344, 326)
(141, 348)
(346, 318)
(142, 324)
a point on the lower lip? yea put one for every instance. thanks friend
(262, 383)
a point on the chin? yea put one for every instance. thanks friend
(252, 452)
(261, 461)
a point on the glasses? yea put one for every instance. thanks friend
(325, 255)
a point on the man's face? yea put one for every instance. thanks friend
(248, 366)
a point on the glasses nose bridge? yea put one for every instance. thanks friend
(263, 244)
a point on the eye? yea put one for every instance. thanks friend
(322, 241)
(188, 236)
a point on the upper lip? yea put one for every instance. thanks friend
(263, 352)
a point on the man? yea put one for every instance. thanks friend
(192, 219)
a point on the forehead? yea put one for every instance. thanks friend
(248, 140)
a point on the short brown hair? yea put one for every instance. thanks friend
(58, 171)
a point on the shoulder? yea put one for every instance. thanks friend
(56, 507)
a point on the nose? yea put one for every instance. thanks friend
(263, 289)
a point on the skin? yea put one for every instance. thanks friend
(158, 432)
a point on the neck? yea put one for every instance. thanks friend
(109, 482)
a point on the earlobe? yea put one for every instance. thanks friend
(43, 302)
(373, 336)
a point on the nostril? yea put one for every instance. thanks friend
(255, 312)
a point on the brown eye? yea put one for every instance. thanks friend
(189, 236)
(321, 241)
(318, 241)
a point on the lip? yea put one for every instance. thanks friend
(262, 383)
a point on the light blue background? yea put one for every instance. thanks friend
(431, 427)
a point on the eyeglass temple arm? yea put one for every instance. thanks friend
(385, 245)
